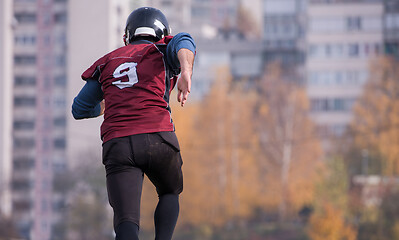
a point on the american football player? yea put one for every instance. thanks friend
(131, 87)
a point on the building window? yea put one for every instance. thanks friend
(392, 20)
(25, 40)
(21, 184)
(24, 125)
(61, 39)
(59, 102)
(353, 50)
(23, 163)
(24, 81)
(60, 17)
(60, 122)
(392, 48)
(60, 60)
(337, 78)
(25, 59)
(23, 101)
(331, 104)
(59, 167)
(22, 205)
(354, 23)
(60, 80)
(60, 143)
(25, 17)
(24, 142)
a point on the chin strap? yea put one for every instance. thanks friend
(126, 39)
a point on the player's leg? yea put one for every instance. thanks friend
(165, 173)
(165, 216)
(124, 186)
(124, 193)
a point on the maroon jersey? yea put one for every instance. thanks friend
(136, 82)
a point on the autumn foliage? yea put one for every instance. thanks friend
(376, 122)
(234, 144)
(330, 224)
(253, 166)
(287, 139)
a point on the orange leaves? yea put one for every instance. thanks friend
(245, 149)
(287, 139)
(330, 224)
(219, 145)
(376, 120)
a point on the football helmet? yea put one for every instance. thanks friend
(146, 21)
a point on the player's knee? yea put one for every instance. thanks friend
(127, 231)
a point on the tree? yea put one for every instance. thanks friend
(330, 224)
(334, 186)
(376, 115)
(287, 139)
(372, 147)
(226, 143)
(330, 219)
(217, 139)
(86, 213)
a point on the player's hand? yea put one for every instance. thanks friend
(102, 105)
(183, 87)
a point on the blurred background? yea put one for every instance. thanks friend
(291, 130)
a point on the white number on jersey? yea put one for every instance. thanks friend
(127, 74)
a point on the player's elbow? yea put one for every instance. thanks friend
(78, 111)
(76, 114)
(82, 109)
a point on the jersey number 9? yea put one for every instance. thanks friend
(126, 72)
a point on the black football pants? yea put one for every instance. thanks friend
(126, 160)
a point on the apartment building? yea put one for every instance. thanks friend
(39, 106)
(54, 42)
(284, 29)
(6, 90)
(391, 27)
(342, 37)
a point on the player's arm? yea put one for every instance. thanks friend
(180, 54)
(89, 102)
(186, 60)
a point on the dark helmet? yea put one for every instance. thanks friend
(146, 21)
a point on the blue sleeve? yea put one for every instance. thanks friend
(87, 103)
(181, 40)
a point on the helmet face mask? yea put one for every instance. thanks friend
(146, 22)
